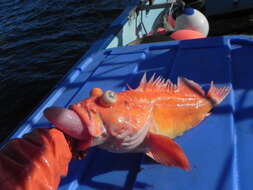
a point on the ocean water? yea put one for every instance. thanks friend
(40, 40)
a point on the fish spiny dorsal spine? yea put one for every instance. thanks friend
(154, 84)
(217, 94)
(158, 84)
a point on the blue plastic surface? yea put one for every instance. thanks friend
(219, 148)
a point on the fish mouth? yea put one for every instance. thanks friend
(68, 121)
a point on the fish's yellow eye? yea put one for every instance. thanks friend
(108, 98)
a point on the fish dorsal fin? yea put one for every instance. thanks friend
(189, 86)
(155, 84)
(217, 94)
(166, 151)
(160, 84)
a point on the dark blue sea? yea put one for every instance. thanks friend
(40, 40)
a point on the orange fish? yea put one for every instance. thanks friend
(145, 119)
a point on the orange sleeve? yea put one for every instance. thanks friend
(36, 161)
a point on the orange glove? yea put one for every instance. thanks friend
(35, 162)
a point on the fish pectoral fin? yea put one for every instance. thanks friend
(166, 151)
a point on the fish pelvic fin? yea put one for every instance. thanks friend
(217, 94)
(165, 151)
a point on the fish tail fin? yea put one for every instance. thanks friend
(217, 94)
(166, 151)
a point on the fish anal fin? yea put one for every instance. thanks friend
(217, 94)
(166, 151)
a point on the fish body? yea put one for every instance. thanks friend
(145, 119)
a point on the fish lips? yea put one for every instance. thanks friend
(68, 121)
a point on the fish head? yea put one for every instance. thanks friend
(112, 115)
(103, 115)
(92, 109)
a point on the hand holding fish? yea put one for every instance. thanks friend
(145, 119)
(38, 160)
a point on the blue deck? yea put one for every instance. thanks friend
(219, 148)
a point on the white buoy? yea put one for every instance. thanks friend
(192, 19)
